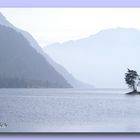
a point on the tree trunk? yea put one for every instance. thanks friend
(134, 88)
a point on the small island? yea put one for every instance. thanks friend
(132, 79)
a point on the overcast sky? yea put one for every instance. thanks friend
(50, 25)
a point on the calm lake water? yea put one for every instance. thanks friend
(69, 110)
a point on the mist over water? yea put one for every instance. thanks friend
(39, 95)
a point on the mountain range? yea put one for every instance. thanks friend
(21, 66)
(58, 68)
(102, 58)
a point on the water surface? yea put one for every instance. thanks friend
(69, 110)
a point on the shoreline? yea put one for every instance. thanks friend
(133, 93)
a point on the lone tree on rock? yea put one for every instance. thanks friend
(132, 79)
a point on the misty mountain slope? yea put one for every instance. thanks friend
(102, 58)
(21, 63)
(59, 68)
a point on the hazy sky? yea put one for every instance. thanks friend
(50, 25)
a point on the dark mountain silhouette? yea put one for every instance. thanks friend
(22, 66)
(59, 68)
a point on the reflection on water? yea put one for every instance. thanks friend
(69, 110)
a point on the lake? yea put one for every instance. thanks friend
(69, 110)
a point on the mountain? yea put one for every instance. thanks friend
(59, 68)
(102, 58)
(22, 66)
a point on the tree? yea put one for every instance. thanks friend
(132, 79)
